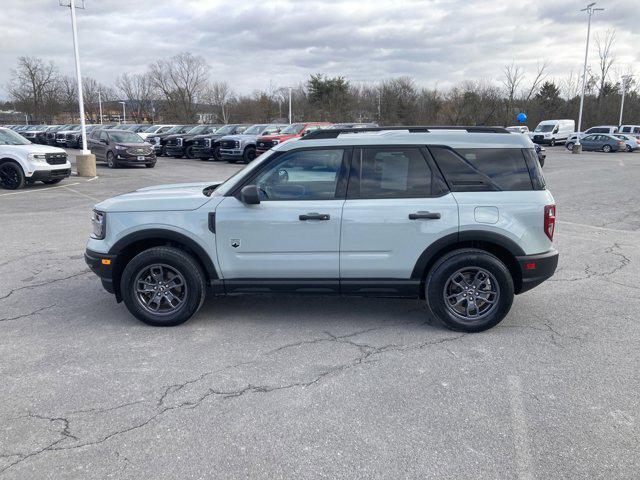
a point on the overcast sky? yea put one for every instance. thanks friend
(252, 44)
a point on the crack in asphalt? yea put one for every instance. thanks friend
(48, 282)
(366, 351)
(588, 269)
(28, 314)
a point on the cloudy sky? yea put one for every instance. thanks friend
(255, 44)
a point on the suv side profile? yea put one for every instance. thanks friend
(460, 218)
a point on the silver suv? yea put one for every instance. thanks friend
(459, 217)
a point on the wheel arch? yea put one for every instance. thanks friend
(129, 246)
(499, 245)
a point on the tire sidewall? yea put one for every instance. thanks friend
(216, 154)
(249, 155)
(21, 178)
(440, 273)
(111, 160)
(176, 259)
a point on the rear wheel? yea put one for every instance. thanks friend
(628, 148)
(163, 286)
(469, 290)
(11, 176)
(606, 148)
(111, 160)
(552, 142)
(569, 146)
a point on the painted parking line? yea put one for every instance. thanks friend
(81, 194)
(38, 190)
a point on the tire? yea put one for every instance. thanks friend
(189, 153)
(11, 176)
(569, 146)
(606, 148)
(53, 181)
(552, 142)
(442, 279)
(177, 156)
(217, 156)
(149, 165)
(204, 159)
(111, 161)
(249, 155)
(628, 148)
(156, 265)
(541, 160)
(163, 152)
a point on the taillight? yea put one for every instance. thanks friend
(549, 220)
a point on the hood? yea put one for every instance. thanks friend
(34, 148)
(280, 137)
(180, 196)
(241, 137)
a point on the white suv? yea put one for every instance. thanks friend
(22, 162)
(459, 217)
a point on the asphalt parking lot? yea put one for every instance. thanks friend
(299, 387)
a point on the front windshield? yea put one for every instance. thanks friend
(293, 129)
(9, 137)
(126, 137)
(150, 129)
(544, 128)
(225, 130)
(254, 130)
(140, 128)
(199, 129)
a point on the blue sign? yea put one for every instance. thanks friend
(522, 117)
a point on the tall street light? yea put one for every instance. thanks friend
(100, 105)
(590, 9)
(124, 112)
(626, 81)
(72, 6)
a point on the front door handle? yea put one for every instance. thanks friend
(424, 216)
(315, 216)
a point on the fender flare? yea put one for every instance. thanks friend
(171, 236)
(427, 256)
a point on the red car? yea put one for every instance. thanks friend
(295, 130)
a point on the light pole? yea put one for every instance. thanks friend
(590, 10)
(124, 113)
(100, 105)
(626, 81)
(72, 6)
(290, 115)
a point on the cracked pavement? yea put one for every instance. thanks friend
(320, 387)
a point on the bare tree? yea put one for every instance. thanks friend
(90, 89)
(541, 76)
(605, 43)
(218, 95)
(181, 80)
(570, 86)
(137, 90)
(32, 85)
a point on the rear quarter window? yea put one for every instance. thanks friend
(484, 169)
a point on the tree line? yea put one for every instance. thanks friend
(180, 89)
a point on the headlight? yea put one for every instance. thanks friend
(275, 142)
(120, 147)
(237, 144)
(99, 224)
(38, 158)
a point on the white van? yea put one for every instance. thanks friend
(630, 129)
(553, 131)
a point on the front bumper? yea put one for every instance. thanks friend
(51, 174)
(126, 159)
(229, 154)
(535, 269)
(103, 266)
(203, 152)
(173, 150)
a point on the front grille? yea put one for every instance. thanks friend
(265, 144)
(201, 143)
(174, 142)
(60, 136)
(139, 151)
(228, 144)
(56, 158)
(538, 138)
(70, 136)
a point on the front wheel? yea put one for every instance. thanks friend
(606, 148)
(249, 155)
(569, 146)
(204, 159)
(217, 156)
(469, 290)
(189, 153)
(11, 176)
(111, 160)
(163, 286)
(628, 148)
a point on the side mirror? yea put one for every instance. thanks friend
(250, 195)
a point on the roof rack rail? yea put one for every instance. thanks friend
(334, 133)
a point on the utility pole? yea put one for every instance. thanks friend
(290, 114)
(100, 105)
(124, 113)
(590, 11)
(626, 81)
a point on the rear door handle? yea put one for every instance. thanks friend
(424, 216)
(315, 216)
